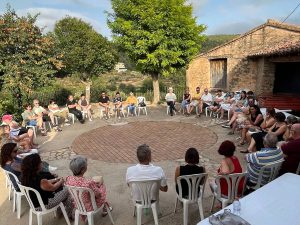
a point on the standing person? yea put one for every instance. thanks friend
(72, 104)
(131, 101)
(206, 100)
(196, 99)
(291, 151)
(145, 171)
(104, 103)
(171, 99)
(117, 101)
(85, 106)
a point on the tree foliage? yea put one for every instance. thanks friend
(213, 41)
(161, 36)
(85, 51)
(27, 61)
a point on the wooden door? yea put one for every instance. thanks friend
(218, 73)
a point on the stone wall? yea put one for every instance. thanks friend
(244, 72)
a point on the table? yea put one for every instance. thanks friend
(276, 203)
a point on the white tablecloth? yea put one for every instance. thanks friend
(277, 203)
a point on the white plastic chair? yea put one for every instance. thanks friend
(71, 117)
(270, 171)
(141, 99)
(146, 189)
(233, 183)
(26, 190)
(168, 110)
(102, 112)
(34, 128)
(121, 112)
(77, 195)
(196, 186)
(207, 110)
(16, 194)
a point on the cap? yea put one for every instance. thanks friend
(7, 117)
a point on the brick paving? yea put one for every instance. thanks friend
(168, 141)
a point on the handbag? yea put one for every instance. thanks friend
(227, 218)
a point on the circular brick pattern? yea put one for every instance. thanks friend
(168, 141)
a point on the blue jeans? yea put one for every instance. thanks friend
(32, 123)
(131, 108)
(183, 104)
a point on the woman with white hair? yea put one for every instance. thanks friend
(78, 166)
(171, 99)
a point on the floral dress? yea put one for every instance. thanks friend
(98, 189)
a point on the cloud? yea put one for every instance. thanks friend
(49, 16)
(198, 6)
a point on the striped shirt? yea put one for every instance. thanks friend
(259, 159)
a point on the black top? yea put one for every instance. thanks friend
(117, 99)
(188, 170)
(104, 99)
(71, 102)
(253, 118)
(36, 184)
(186, 96)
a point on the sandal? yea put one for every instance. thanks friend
(241, 143)
(104, 213)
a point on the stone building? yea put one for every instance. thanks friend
(266, 60)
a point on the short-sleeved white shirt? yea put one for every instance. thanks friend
(207, 98)
(141, 172)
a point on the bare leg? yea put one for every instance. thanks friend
(252, 146)
(244, 131)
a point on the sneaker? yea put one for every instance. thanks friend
(104, 213)
(90, 120)
(226, 126)
(67, 124)
(119, 117)
(52, 168)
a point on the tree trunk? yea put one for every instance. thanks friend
(156, 92)
(88, 92)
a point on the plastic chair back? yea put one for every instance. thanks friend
(146, 189)
(233, 183)
(78, 194)
(268, 173)
(26, 191)
(13, 179)
(196, 185)
(141, 99)
(298, 169)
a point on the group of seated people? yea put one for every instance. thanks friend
(35, 173)
(199, 101)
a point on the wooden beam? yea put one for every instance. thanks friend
(285, 59)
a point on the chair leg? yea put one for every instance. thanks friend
(30, 217)
(14, 200)
(19, 206)
(134, 211)
(62, 207)
(185, 213)
(76, 222)
(139, 215)
(213, 203)
(224, 204)
(90, 219)
(146, 111)
(39, 219)
(200, 209)
(154, 212)
(176, 202)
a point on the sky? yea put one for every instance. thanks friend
(220, 16)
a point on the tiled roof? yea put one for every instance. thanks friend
(280, 49)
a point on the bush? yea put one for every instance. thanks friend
(127, 88)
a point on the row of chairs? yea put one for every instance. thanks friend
(196, 185)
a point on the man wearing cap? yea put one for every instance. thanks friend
(15, 129)
(171, 99)
(196, 99)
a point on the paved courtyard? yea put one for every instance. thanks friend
(110, 147)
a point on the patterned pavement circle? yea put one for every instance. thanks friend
(168, 141)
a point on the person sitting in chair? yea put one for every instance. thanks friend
(196, 99)
(32, 119)
(145, 171)
(171, 99)
(104, 103)
(72, 104)
(131, 101)
(117, 101)
(85, 106)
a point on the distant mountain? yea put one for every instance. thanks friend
(216, 40)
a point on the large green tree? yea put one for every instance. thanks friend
(85, 51)
(27, 61)
(161, 36)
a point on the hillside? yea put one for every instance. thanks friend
(216, 40)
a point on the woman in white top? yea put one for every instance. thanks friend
(171, 99)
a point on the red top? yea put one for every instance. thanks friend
(237, 169)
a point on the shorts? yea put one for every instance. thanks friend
(32, 123)
(195, 103)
